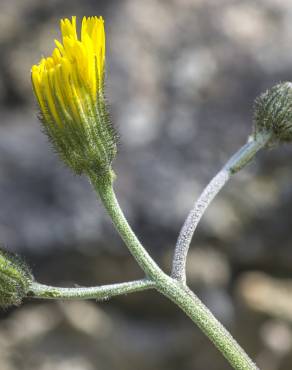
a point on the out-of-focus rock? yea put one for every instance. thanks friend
(87, 318)
(277, 339)
(266, 294)
(84, 336)
(277, 336)
(207, 267)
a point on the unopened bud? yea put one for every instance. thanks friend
(15, 279)
(273, 113)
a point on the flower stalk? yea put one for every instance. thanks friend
(102, 292)
(239, 160)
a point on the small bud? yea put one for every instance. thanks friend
(15, 279)
(69, 87)
(273, 113)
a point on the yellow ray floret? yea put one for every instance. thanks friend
(68, 83)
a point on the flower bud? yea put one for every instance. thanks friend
(69, 87)
(273, 113)
(15, 279)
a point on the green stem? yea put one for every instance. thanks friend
(105, 190)
(184, 298)
(240, 159)
(169, 287)
(102, 292)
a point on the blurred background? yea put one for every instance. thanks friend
(182, 76)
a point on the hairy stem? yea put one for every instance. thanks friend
(235, 163)
(102, 292)
(105, 190)
(183, 297)
(171, 288)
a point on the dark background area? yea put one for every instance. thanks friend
(182, 76)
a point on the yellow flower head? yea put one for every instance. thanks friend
(75, 68)
(69, 87)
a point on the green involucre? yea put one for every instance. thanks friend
(273, 112)
(86, 146)
(15, 279)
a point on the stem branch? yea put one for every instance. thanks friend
(235, 163)
(171, 288)
(102, 292)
